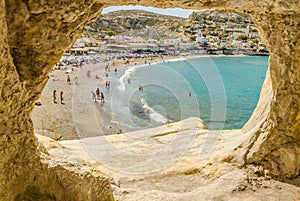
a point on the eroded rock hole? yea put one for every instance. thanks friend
(269, 139)
(221, 85)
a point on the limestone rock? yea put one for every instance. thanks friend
(33, 37)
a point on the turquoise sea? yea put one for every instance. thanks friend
(222, 91)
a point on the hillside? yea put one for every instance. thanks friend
(138, 23)
(151, 25)
(213, 22)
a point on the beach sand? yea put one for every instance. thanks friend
(79, 115)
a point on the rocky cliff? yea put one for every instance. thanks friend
(30, 44)
(34, 35)
(151, 25)
(137, 23)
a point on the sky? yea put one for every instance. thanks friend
(168, 11)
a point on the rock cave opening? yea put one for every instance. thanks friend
(137, 35)
(28, 51)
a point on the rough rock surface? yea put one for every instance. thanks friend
(218, 176)
(137, 23)
(33, 36)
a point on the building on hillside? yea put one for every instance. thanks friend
(236, 44)
(79, 50)
(152, 41)
(186, 46)
(212, 39)
(247, 31)
(111, 39)
(223, 42)
(137, 39)
(172, 48)
(162, 48)
(115, 48)
(172, 40)
(246, 45)
(202, 40)
(253, 35)
(122, 39)
(80, 43)
(152, 47)
(138, 47)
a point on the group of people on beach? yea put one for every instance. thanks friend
(98, 95)
(69, 80)
(55, 97)
(107, 85)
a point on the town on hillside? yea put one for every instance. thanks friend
(141, 33)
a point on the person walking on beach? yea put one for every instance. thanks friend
(88, 74)
(61, 97)
(94, 96)
(116, 71)
(107, 85)
(68, 80)
(54, 96)
(107, 68)
(102, 97)
(98, 93)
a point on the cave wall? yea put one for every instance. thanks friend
(277, 146)
(33, 37)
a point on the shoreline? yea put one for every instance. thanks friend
(62, 121)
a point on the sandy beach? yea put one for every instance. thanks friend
(79, 115)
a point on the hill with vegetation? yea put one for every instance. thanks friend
(225, 25)
(138, 23)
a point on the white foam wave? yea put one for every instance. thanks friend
(155, 116)
(127, 73)
(177, 59)
(125, 77)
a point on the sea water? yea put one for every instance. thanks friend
(222, 91)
